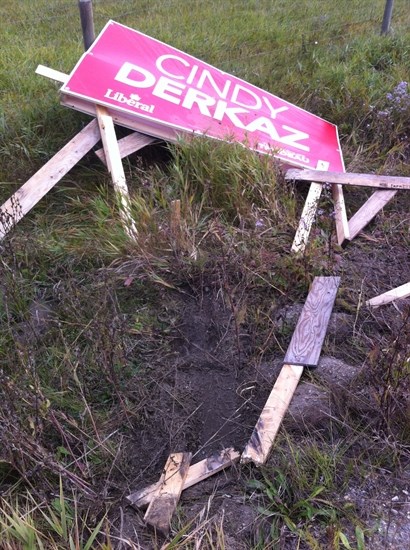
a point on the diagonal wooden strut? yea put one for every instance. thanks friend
(402, 291)
(368, 211)
(23, 200)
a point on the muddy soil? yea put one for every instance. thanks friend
(215, 387)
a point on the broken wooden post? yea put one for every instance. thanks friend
(260, 443)
(175, 222)
(304, 350)
(196, 473)
(166, 496)
(402, 291)
(389, 185)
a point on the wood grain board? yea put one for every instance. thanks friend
(368, 211)
(306, 343)
(196, 473)
(115, 167)
(29, 194)
(263, 436)
(166, 496)
(402, 291)
(346, 178)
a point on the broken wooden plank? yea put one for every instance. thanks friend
(128, 145)
(51, 173)
(368, 211)
(402, 291)
(260, 443)
(320, 302)
(196, 473)
(51, 73)
(115, 167)
(166, 497)
(346, 178)
(306, 343)
(306, 220)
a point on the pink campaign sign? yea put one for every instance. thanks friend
(165, 92)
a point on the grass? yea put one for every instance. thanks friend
(91, 321)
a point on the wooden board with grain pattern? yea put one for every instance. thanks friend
(306, 343)
(29, 194)
(166, 496)
(196, 473)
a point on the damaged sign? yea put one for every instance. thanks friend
(164, 92)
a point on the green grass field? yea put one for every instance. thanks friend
(100, 370)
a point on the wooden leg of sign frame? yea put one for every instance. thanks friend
(166, 497)
(402, 291)
(306, 220)
(196, 473)
(342, 224)
(128, 145)
(51, 173)
(260, 443)
(115, 167)
(368, 211)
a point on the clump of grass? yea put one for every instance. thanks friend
(230, 179)
(27, 523)
(299, 494)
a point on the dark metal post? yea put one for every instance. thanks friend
(387, 16)
(87, 22)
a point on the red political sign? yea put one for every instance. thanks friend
(159, 90)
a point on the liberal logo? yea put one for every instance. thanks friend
(134, 100)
